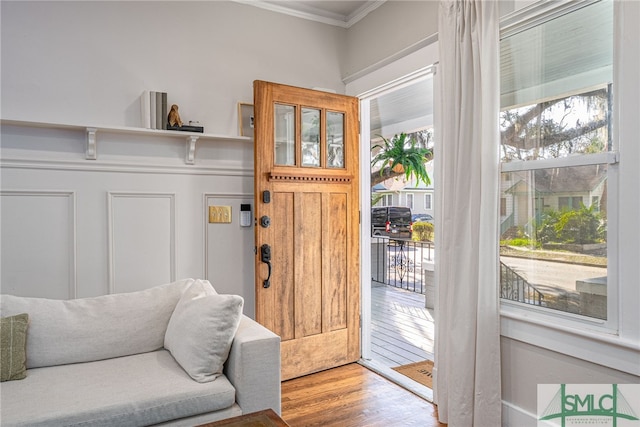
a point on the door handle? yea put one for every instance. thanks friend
(265, 256)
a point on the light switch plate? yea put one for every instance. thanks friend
(220, 214)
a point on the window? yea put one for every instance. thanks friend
(427, 201)
(556, 150)
(409, 201)
(385, 200)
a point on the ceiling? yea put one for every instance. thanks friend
(341, 13)
(404, 109)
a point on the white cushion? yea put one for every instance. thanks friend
(138, 390)
(201, 330)
(88, 329)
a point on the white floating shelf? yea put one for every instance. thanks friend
(190, 138)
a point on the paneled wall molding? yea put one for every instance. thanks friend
(112, 196)
(81, 166)
(208, 197)
(72, 224)
(93, 133)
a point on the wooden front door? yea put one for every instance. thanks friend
(307, 212)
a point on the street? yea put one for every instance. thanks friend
(552, 274)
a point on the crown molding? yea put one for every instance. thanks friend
(314, 14)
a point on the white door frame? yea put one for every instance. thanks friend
(365, 199)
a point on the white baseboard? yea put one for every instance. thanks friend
(513, 416)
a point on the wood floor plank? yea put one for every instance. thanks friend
(402, 346)
(353, 396)
(400, 319)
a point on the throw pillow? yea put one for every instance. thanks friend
(201, 330)
(13, 343)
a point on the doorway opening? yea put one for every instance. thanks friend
(398, 285)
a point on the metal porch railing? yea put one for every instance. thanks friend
(400, 262)
(514, 287)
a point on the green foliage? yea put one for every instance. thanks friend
(521, 242)
(423, 232)
(375, 198)
(402, 150)
(581, 226)
(547, 230)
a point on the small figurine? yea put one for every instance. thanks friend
(174, 117)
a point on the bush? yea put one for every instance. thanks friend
(580, 226)
(423, 232)
(520, 241)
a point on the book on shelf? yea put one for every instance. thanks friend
(186, 128)
(158, 110)
(165, 112)
(152, 109)
(144, 110)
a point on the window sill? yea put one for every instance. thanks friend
(600, 347)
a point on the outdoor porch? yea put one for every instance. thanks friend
(402, 329)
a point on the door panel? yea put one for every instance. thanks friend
(306, 158)
(335, 231)
(283, 250)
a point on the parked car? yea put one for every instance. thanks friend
(422, 218)
(392, 221)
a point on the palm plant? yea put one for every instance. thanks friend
(400, 156)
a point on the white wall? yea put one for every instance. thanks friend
(88, 62)
(136, 216)
(394, 28)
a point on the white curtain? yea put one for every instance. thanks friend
(467, 388)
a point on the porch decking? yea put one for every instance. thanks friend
(402, 329)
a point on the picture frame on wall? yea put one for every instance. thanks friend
(245, 119)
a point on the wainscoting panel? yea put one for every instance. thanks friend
(141, 240)
(133, 218)
(229, 256)
(38, 243)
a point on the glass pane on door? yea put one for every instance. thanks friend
(285, 134)
(335, 140)
(310, 137)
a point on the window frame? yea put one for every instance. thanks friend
(428, 201)
(409, 200)
(616, 341)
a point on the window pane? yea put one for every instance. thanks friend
(285, 134)
(555, 84)
(561, 56)
(335, 140)
(310, 137)
(553, 249)
(560, 127)
(410, 201)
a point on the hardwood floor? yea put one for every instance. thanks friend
(353, 396)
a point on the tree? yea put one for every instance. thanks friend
(556, 128)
